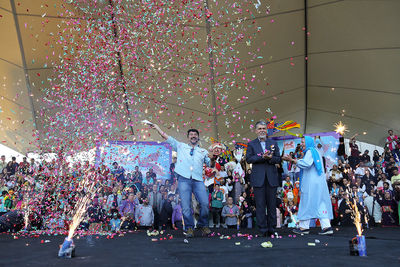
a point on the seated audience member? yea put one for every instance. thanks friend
(345, 211)
(388, 205)
(287, 183)
(10, 200)
(367, 178)
(335, 209)
(346, 184)
(372, 205)
(115, 223)
(290, 215)
(246, 220)
(12, 221)
(334, 190)
(366, 159)
(396, 177)
(231, 213)
(3, 208)
(335, 176)
(96, 216)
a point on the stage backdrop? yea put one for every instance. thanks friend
(129, 154)
(329, 141)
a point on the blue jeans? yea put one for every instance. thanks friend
(186, 187)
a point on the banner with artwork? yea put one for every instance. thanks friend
(129, 154)
(329, 143)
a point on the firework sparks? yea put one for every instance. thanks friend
(88, 185)
(26, 214)
(357, 218)
(355, 213)
(340, 128)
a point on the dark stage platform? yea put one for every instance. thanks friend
(138, 249)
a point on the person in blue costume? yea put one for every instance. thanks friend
(315, 202)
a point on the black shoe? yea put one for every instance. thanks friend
(272, 233)
(326, 231)
(264, 234)
(301, 232)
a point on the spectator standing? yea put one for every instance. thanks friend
(118, 172)
(231, 214)
(393, 142)
(177, 217)
(341, 152)
(144, 215)
(166, 212)
(354, 159)
(216, 205)
(155, 201)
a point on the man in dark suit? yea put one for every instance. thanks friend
(263, 154)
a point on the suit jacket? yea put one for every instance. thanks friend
(263, 169)
(155, 197)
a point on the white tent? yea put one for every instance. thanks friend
(213, 65)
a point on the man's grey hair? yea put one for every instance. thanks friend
(261, 123)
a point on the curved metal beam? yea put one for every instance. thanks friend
(21, 48)
(211, 64)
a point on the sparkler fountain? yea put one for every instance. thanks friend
(88, 190)
(357, 244)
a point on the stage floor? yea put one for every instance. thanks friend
(138, 249)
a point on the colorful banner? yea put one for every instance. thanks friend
(129, 154)
(329, 142)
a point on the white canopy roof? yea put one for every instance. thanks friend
(61, 66)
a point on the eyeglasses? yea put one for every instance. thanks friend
(192, 151)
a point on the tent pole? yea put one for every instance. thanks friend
(305, 65)
(212, 74)
(25, 66)
(121, 71)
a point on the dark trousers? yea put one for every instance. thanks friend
(216, 215)
(265, 197)
(156, 218)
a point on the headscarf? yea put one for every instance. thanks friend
(310, 146)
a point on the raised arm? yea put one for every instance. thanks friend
(161, 132)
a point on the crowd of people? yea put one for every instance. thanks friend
(48, 192)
